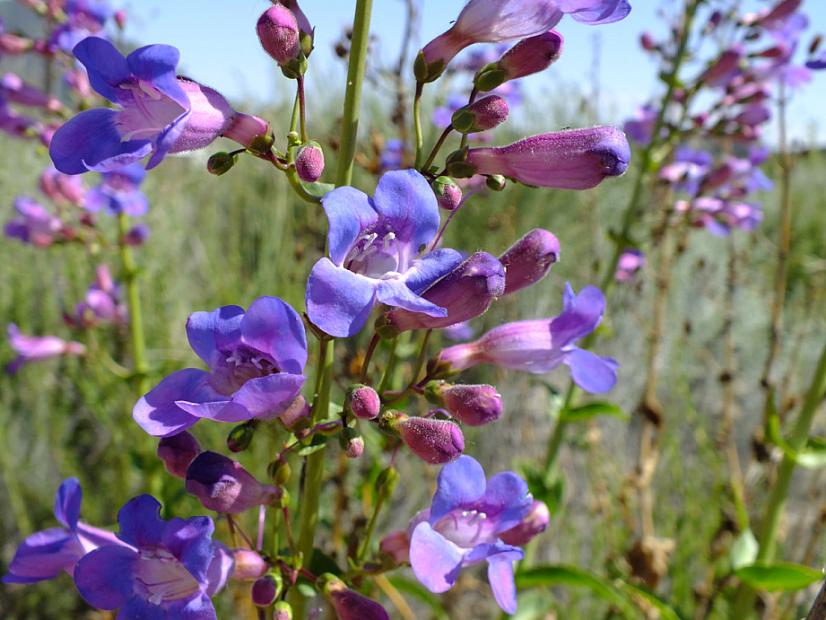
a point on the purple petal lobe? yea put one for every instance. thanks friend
(67, 502)
(459, 482)
(269, 396)
(190, 540)
(396, 293)
(156, 412)
(104, 576)
(156, 64)
(206, 331)
(431, 267)
(580, 316)
(507, 496)
(273, 327)
(405, 199)
(44, 555)
(338, 301)
(500, 576)
(349, 213)
(435, 560)
(140, 522)
(106, 66)
(591, 372)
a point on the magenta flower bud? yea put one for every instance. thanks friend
(466, 293)
(474, 405)
(481, 115)
(297, 411)
(348, 604)
(223, 485)
(278, 32)
(533, 524)
(210, 116)
(780, 11)
(265, 590)
(396, 546)
(363, 402)
(120, 19)
(309, 162)
(304, 25)
(529, 260)
(248, 131)
(531, 55)
(647, 42)
(630, 262)
(354, 447)
(177, 452)
(136, 235)
(282, 611)
(433, 441)
(14, 89)
(448, 193)
(249, 565)
(62, 188)
(571, 159)
(722, 69)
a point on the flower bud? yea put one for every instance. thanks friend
(531, 55)
(240, 437)
(348, 604)
(266, 589)
(309, 162)
(298, 411)
(530, 259)
(481, 115)
(62, 188)
(221, 162)
(433, 441)
(570, 159)
(533, 524)
(363, 402)
(474, 405)
(647, 42)
(249, 565)
(629, 263)
(351, 442)
(466, 293)
(722, 69)
(136, 235)
(448, 193)
(278, 32)
(396, 546)
(495, 182)
(282, 611)
(279, 472)
(251, 132)
(120, 19)
(177, 452)
(223, 485)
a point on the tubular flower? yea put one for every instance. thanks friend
(44, 555)
(463, 527)
(119, 192)
(374, 243)
(530, 259)
(61, 188)
(35, 225)
(539, 346)
(256, 360)
(38, 348)
(224, 486)
(169, 570)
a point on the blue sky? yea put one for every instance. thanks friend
(219, 47)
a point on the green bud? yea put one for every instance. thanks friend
(282, 611)
(221, 162)
(240, 437)
(279, 472)
(261, 144)
(489, 77)
(427, 72)
(496, 182)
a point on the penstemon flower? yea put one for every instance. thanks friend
(119, 192)
(38, 348)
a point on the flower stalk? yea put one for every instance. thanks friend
(140, 365)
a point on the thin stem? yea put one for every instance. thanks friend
(371, 526)
(365, 365)
(420, 358)
(140, 365)
(387, 375)
(818, 610)
(558, 434)
(302, 107)
(470, 100)
(417, 123)
(436, 148)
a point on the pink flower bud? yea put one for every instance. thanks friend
(474, 405)
(396, 545)
(533, 524)
(647, 42)
(177, 452)
(13, 88)
(309, 162)
(529, 260)
(210, 116)
(348, 604)
(363, 402)
(249, 565)
(297, 411)
(265, 590)
(724, 68)
(571, 159)
(630, 262)
(223, 485)
(278, 32)
(481, 115)
(120, 19)
(448, 193)
(433, 441)
(14, 44)
(62, 188)
(531, 55)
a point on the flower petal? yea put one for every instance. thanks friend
(267, 397)
(208, 331)
(44, 555)
(431, 267)
(580, 316)
(157, 64)
(349, 214)
(220, 568)
(396, 293)
(67, 502)
(595, 12)
(105, 65)
(460, 482)
(140, 522)
(405, 199)
(273, 327)
(500, 577)
(591, 372)
(190, 540)
(223, 410)
(435, 560)
(507, 497)
(104, 576)
(156, 412)
(339, 301)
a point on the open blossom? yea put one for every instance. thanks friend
(61, 188)
(158, 112)
(119, 192)
(38, 348)
(374, 245)
(167, 570)
(14, 89)
(34, 224)
(83, 18)
(256, 363)
(102, 303)
(44, 555)
(463, 527)
(630, 262)
(539, 346)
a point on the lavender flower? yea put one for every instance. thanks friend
(61, 188)
(38, 348)
(119, 192)
(463, 527)
(35, 225)
(223, 485)
(169, 570)
(538, 346)
(256, 360)
(629, 263)
(44, 555)
(640, 127)
(102, 303)
(529, 260)
(533, 524)
(373, 245)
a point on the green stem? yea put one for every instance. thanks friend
(140, 366)
(470, 100)
(352, 97)
(302, 105)
(371, 526)
(776, 504)
(417, 123)
(558, 434)
(436, 148)
(387, 375)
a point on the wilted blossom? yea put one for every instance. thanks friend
(45, 554)
(119, 192)
(38, 348)
(256, 362)
(540, 345)
(570, 159)
(102, 304)
(158, 113)
(62, 188)
(168, 571)
(463, 527)
(374, 245)
(223, 485)
(630, 262)
(34, 224)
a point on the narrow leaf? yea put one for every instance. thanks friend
(778, 576)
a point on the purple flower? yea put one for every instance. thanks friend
(538, 346)
(102, 303)
(533, 524)
(629, 263)
(158, 113)
(688, 170)
(349, 604)
(61, 188)
(463, 527)
(177, 452)
(16, 124)
(531, 55)
(223, 485)
(277, 30)
(169, 571)
(256, 360)
(391, 157)
(35, 225)
(817, 62)
(640, 127)
(38, 348)
(119, 192)
(530, 259)
(44, 555)
(474, 405)
(571, 159)
(374, 245)
(13, 88)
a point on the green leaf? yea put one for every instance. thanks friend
(811, 457)
(550, 491)
(591, 410)
(561, 575)
(778, 576)
(422, 594)
(744, 550)
(319, 190)
(318, 443)
(666, 611)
